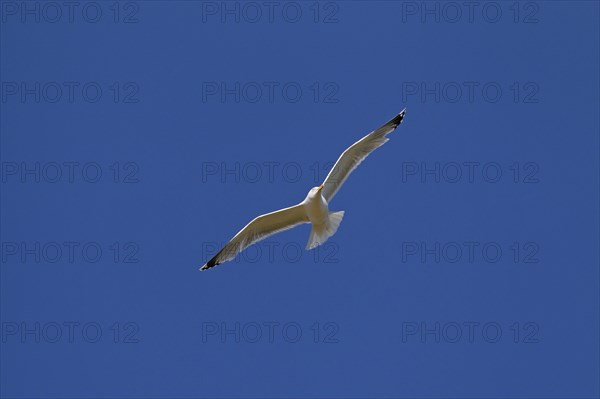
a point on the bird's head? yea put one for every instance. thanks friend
(316, 191)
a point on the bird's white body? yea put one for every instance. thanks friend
(315, 207)
(324, 223)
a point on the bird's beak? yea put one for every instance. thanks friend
(321, 187)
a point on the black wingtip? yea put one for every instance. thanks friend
(211, 263)
(397, 120)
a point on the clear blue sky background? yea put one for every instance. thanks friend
(167, 127)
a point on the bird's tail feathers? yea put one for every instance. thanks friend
(321, 232)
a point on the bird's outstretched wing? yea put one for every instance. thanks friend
(355, 154)
(260, 228)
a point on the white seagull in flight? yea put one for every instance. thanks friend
(315, 207)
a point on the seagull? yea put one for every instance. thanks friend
(315, 207)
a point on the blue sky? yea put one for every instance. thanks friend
(137, 138)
